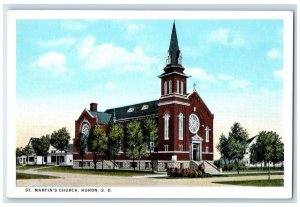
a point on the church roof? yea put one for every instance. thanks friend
(103, 118)
(135, 110)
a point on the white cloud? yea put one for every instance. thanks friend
(273, 53)
(110, 86)
(59, 42)
(73, 25)
(107, 55)
(201, 74)
(226, 37)
(133, 28)
(278, 74)
(224, 77)
(51, 61)
(238, 84)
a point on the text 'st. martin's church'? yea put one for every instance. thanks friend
(185, 124)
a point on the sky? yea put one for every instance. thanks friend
(64, 65)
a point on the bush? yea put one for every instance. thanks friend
(218, 163)
(187, 172)
(201, 167)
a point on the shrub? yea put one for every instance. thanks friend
(186, 172)
(201, 167)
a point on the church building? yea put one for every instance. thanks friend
(185, 123)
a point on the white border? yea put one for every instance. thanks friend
(159, 192)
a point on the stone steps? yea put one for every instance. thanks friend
(209, 166)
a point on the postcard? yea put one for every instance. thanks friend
(149, 104)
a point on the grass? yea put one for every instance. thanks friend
(247, 174)
(28, 167)
(257, 183)
(22, 176)
(63, 169)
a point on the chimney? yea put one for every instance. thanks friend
(93, 106)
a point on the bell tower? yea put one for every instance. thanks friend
(172, 102)
(173, 80)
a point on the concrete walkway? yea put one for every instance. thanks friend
(159, 180)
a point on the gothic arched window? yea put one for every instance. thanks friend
(165, 87)
(166, 126)
(181, 88)
(170, 86)
(180, 120)
(207, 134)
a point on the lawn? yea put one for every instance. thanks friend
(257, 183)
(117, 172)
(21, 176)
(247, 174)
(28, 167)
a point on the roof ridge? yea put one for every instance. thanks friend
(131, 105)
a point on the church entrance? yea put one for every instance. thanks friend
(195, 148)
(195, 152)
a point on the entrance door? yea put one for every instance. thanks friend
(57, 160)
(194, 152)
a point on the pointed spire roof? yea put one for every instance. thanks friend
(174, 51)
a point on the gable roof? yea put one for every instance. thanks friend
(103, 118)
(135, 110)
(251, 139)
(195, 92)
(32, 138)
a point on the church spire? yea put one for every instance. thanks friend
(174, 55)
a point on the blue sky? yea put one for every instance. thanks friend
(63, 65)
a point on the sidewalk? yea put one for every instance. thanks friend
(88, 180)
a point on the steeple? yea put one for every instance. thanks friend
(174, 55)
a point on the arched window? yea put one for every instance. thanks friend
(170, 86)
(166, 126)
(165, 87)
(180, 119)
(207, 134)
(177, 86)
(181, 87)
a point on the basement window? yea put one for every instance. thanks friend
(130, 110)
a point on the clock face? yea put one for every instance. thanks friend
(85, 129)
(194, 123)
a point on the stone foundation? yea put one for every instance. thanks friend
(160, 165)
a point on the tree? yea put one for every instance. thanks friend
(223, 148)
(18, 154)
(253, 154)
(27, 151)
(135, 136)
(98, 144)
(151, 133)
(82, 146)
(115, 137)
(237, 142)
(278, 155)
(60, 140)
(41, 146)
(271, 148)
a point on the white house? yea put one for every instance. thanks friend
(250, 142)
(54, 157)
(246, 159)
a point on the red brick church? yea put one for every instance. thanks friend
(185, 123)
